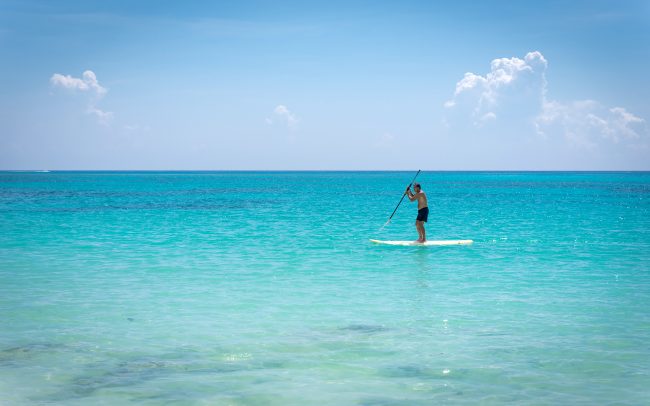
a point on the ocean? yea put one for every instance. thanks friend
(262, 288)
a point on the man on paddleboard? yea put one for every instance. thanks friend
(423, 209)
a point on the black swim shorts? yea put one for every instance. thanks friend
(423, 214)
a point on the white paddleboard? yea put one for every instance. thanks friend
(427, 243)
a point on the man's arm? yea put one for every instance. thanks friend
(410, 194)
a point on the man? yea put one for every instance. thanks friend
(423, 209)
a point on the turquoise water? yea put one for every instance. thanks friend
(261, 288)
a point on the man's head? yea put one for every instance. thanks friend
(416, 187)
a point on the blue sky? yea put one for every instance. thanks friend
(333, 85)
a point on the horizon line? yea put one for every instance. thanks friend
(325, 170)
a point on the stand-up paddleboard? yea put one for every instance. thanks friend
(427, 243)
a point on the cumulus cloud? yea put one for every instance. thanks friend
(513, 94)
(283, 114)
(89, 84)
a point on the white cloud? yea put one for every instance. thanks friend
(284, 114)
(513, 96)
(103, 117)
(512, 83)
(489, 116)
(68, 81)
(586, 122)
(136, 127)
(87, 83)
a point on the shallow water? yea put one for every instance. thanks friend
(261, 288)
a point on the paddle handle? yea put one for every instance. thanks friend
(400, 200)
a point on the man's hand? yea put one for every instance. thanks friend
(408, 189)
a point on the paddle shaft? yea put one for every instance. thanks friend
(400, 200)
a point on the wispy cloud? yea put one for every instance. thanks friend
(284, 115)
(221, 27)
(585, 122)
(88, 84)
(103, 117)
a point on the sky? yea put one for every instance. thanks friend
(332, 85)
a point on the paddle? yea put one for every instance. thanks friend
(400, 202)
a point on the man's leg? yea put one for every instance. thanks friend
(418, 225)
(424, 232)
